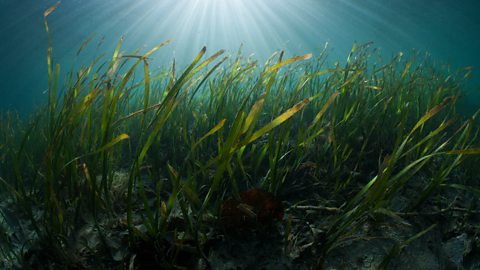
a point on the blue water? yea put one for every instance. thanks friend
(447, 29)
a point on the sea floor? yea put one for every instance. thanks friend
(450, 239)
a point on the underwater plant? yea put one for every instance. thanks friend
(131, 168)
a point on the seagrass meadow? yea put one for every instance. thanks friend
(297, 162)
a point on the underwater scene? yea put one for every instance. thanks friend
(239, 134)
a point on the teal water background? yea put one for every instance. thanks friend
(447, 29)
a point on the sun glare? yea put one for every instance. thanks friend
(262, 26)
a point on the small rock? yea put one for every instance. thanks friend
(457, 248)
